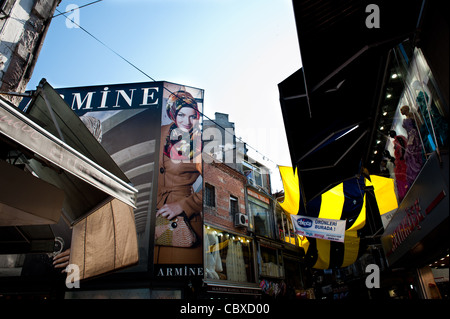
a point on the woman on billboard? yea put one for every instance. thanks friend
(178, 218)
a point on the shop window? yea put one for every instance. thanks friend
(270, 262)
(228, 256)
(210, 195)
(419, 122)
(234, 205)
(260, 213)
(293, 275)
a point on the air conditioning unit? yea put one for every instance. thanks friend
(240, 220)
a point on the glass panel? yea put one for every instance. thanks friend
(293, 273)
(228, 256)
(419, 124)
(234, 207)
(261, 218)
(280, 228)
(210, 199)
(270, 265)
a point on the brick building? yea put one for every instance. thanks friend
(224, 195)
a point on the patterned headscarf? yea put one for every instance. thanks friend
(179, 144)
(178, 100)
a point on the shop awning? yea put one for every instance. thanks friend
(329, 130)
(61, 151)
(333, 35)
(330, 104)
(346, 201)
(84, 170)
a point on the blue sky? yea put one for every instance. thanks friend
(236, 50)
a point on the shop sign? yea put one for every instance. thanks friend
(112, 97)
(327, 229)
(258, 196)
(423, 209)
(413, 216)
(233, 290)
(173, 271)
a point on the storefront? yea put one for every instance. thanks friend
(416, 153)
(281, 269)
(382, 97)
(230, 264)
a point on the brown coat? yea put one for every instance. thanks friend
(175, 184)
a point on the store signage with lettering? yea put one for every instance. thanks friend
(179, 271)
(413, 217)
(112, 97)
(328, 229)
(234, 290)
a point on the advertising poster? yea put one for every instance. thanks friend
(179, 223)
(328, 229)
(139, 125)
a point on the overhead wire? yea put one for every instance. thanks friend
(77, 8)
(148, 76)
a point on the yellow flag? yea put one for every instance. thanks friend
(291, 190)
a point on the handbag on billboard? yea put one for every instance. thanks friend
(176, 232)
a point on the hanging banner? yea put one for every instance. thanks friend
(328, 229)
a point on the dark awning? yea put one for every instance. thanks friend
(333, 34)
(330, 104)
(90, 175)
(328, 130)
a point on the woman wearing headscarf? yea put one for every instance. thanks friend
(179, 167)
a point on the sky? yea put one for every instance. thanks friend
(236, 50)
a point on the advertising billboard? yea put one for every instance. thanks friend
(152, 131)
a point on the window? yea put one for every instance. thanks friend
(5, 7)
(234, 206)
(293, 273)
(271, 262)
(286, 228)
(260, 215)
(228, 256)
(253, 174)
(210, 195)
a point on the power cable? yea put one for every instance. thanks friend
(77, 8)
(151, 78)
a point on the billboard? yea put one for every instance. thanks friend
(152, 131)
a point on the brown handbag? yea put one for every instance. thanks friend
(176, 232)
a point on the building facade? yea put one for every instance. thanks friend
(239, 208)
(389, 84)
(23, 26)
